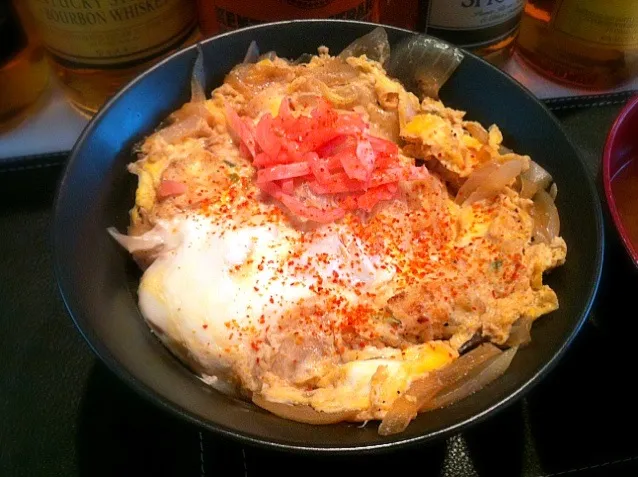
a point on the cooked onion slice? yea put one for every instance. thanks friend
(520, 332)
(528, 188)
(302, 413)
(534, 179)
(408, 106)
(269, 55)
(474, 381)
(252, 53)
(374, 45)
(198, 78)
(477, 131)
(546, 219)
(489, 180)
(423, 390)
(474, 180)
(192, 109)
(423, 64)
(137, 243)
(192, 126)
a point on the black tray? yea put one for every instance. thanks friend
(62, 413)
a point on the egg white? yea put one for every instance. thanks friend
(211, 281)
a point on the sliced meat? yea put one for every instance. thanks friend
(168, 188)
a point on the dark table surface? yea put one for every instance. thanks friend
(62, 413)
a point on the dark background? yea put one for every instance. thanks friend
(64, 414)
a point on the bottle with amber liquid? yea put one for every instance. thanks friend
(23, 69)
(400, 13)
(96, 46)
(216, 16)
(587, 43)
(486, 27)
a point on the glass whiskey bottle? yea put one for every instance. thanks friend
(587, 43)
(95, 46)
(216, 16)
(23, 69)
(486, 27)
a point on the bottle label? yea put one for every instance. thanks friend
(232, 14)
(112, 32)
(472, 14)
(12, 37)
(612, 23)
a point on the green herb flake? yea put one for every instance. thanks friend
(496, 265)
(229, 163)
(233, 177)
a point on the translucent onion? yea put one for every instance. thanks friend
(302, 413)
(474, 180)
(335, 73)
(197, 109)
(337, 99)
(480, 377)
(408, 107)
(374, 45)
(423, 390)
(192, 126)
(423, 64)
(154, 238)
(269, 55)
(252, 53)
(528, 188)
(198, 78)
(490, 182)
(384, 123)
(534, 179)
(520, 332)
(477, 131)
(496, 181)
(546, 219)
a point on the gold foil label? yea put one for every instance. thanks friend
(110, 32)
(611, 23)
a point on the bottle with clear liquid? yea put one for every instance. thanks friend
(586, 43)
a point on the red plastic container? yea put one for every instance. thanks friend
(620, 176)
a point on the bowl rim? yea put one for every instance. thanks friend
(395, 442)
(610, 145)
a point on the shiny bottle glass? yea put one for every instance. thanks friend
(23, 70)
(95, 46)
(487, 27)
(216, 16)
(400, 13)
(587, 43)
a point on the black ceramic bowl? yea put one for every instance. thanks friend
(97, 279)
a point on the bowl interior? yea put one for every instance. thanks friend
(97, 279)
(620, 169)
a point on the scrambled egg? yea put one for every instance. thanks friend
(342, 317)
